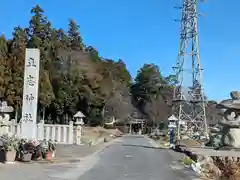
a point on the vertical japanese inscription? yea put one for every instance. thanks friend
(30, 80)
(30, 93)
(31, 62)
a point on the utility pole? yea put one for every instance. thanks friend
(188, 98)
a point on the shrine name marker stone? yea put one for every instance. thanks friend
(30, 94)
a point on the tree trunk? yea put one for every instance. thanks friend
(44, 110)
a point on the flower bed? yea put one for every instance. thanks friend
(14, 149)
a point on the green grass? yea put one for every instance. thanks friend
(187, 161)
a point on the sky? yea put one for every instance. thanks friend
(144, 31)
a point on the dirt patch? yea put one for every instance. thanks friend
(190, 143)
(96, 135)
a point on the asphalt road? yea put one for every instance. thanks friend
(134, 158)
(127, 158)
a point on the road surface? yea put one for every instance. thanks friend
(127, 158)
(133, 158)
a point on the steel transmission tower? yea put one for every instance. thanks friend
(189, 100)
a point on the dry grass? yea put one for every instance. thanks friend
(97, 134)
(229, 167)
(190, 143)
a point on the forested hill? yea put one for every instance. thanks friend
(74, 77)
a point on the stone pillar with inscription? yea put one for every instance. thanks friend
(30, 94)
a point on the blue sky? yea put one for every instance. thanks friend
(143, 31)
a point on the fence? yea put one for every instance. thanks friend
(61, 134)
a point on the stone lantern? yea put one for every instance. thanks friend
(172, 122)
(79, 123)
(5, 110)
(172, 125)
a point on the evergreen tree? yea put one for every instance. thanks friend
(75, 39)
(17, 60)
(39, 33)
(5, 74)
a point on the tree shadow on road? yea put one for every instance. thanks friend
(150, 147)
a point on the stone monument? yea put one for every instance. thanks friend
(30, 94)
(228, 132)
